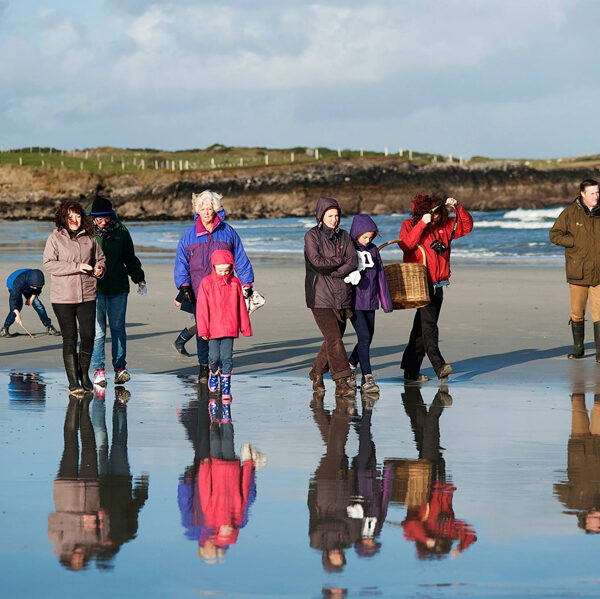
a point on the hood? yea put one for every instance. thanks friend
(35, 278)
(324, 204)
(222, 257)
(362, 223)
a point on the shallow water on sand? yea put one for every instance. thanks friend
(434, 492)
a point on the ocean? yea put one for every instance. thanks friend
(502, 238)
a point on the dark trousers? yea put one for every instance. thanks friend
(332, 354)
(363, 322)
(68, 316)
(424, 336)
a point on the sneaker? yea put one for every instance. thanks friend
(122, 375)
(100, 377)
(4, 332)
(226, 386)
(213, 381)
(368, 384)
(52, 331)
(100, 392)
(213, 410)
(226, 411)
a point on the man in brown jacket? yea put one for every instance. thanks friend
(577, 229)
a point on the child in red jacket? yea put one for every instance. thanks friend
(221, 314)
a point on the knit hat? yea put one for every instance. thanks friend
(101, 206)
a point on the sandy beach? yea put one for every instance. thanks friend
(505, 324)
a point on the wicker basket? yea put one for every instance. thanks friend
(407, 282)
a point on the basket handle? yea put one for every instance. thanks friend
(397, 241)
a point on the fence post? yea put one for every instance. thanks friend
(266, 159)
(212, 163)
(43, 163)
(410, 154)
(80, 166)
(339, 153)
(241, 162)
(156, 165)
(292, 157)
(400, 152)
(86, 153)
(385, 151)
(20, 161)
(99, 166)
(361, 153)
(122, 165)
(317, 153)
(143, 164)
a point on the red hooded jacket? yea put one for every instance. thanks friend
(220, 307)
(438, 266)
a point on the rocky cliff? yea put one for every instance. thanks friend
(375, 186)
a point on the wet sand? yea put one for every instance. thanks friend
(497, 324)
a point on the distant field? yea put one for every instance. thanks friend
(108, 160)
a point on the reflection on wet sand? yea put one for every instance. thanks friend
(26, 390)
(347, 503)
(580, 493)
(422, 486)
(215, 493)
(96, 504)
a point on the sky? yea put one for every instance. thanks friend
(501, 78)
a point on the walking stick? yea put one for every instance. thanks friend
(23, 326)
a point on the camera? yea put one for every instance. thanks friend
(439, 247)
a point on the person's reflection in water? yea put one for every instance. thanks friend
(216, 492)
(431, 523)
(373, 489)
(334, 521)
(580, 493)
(121, 497)
(26, 390)
(78, 528)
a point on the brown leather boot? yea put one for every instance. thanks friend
(317, 379)
(343, 387)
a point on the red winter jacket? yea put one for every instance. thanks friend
(438, 267)
(220, 307)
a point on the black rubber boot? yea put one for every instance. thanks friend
(179, 343)
(597, 340)
(203, 373)
(84, 368)
(72, 370)
(578, 332)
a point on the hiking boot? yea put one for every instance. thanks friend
(226, 410)
(369, 400)
(597, 340)
(352, 377)
(203, 373)
(179, 343)
(415, 378)
(444, 372)
(368, 384)
(52, 331)
(122, 395)
(443, 397)
(577, 328)
(226, 386)
(100, 377)
(122, 375)
(213, 381)
(4, 332)
(344, 387)
(317, 380)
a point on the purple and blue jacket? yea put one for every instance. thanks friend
(192, 261)
(373, 287)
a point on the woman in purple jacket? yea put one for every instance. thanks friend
(370, 288)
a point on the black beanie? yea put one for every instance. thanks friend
(101, 206)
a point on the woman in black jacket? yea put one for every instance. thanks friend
(330, 256)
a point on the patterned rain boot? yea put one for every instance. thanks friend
(226, 386)
(213, 381)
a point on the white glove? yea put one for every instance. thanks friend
(355, 511)
(353, 277)
(365, 260)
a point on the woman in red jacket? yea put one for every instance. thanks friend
(221, 314)
(430, 228)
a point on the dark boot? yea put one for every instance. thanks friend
(578, 330)
(343, 387)
(179, 343)
(203, 373)
(317, 380)
(72, 370)
(596, 340)
(84, 367)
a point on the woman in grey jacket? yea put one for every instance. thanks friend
(75, 261)
(330, 256)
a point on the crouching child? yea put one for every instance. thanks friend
(221, 314)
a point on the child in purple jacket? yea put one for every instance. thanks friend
(370, 289)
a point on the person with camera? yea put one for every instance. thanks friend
(432, 229)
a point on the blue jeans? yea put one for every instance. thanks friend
(114, 306)
(37, 306)
(220, 353)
